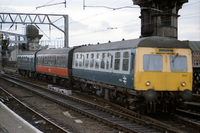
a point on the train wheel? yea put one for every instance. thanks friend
(141, 108)
(35, 75)
(62, 82)
(40, 77)
(44, 78)
(49, 79)
(23, 73)
(68, 84)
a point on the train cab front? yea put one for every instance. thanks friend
(163, 74)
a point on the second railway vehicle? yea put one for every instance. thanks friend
(142, 74)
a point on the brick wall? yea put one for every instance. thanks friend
(196, 59)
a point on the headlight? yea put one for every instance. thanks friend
(183, 84)
(148, 83)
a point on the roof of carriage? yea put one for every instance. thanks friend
(154, 41)
(33, 52)
(55, 51)
(194, 45)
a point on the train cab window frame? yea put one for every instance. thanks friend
(133, 61)
(152, 62)
(178, 63)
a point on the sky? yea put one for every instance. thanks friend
(94, 24)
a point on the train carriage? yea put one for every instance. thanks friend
(55, 65)
(144, 71)
(105, 63)
(26, 63)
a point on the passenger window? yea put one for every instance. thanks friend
(87, 61)
(45, 61)
(41, 60)
(92, 61)
(58, 60)
(103, 61)
(117, 61)
(111, 62)
(76, 60)
(81, 60)
(97, 61)
(108, 61)
(125, 61)
(53, 60)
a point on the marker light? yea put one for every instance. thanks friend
(148, 83)
(183, 84)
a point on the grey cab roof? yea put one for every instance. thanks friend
(55, 51)
(154, 41)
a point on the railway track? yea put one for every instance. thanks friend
(196, 97)
(189, 118)
(182, 119)
(35, 118)
(114, 118)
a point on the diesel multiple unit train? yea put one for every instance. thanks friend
(141, 74)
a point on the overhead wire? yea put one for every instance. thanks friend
(101, 30)
(119, 8)
(186, 5)
(90, 17)
(105, 13)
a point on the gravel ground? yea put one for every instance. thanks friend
(77, 123)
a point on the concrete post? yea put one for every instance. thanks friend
(66, 38)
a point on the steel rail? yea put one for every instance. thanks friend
(31, 110)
